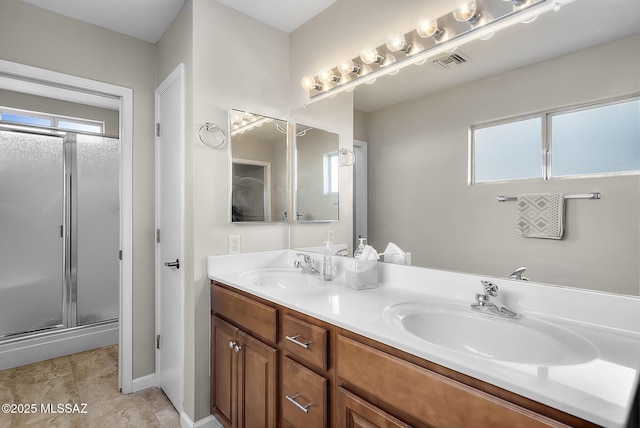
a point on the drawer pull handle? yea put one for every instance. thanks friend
(298, 405)
(295, 340)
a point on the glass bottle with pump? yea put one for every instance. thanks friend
(327, 264)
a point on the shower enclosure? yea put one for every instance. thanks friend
(59, 232)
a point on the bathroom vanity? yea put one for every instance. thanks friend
(293, 350)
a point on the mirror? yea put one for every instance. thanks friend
(317, 174)
(258, 190)
(417, 128)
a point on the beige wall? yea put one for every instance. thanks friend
(419, 197)
(239, 63)
(39, 38)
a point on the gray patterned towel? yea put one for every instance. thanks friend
(540, 215)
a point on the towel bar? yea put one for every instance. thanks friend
(594, 195)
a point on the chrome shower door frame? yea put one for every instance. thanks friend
(70, 231)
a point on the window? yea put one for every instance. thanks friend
(588, 140)
(330, 172)
(596, 140)
(509, 151)
(51, 121)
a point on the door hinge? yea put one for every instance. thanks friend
(158, 342)
(120, 255)
(157, 129)
(157, 236)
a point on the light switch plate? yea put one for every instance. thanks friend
(234, 244)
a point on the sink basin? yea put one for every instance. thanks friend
(525, 340)
(283, 279)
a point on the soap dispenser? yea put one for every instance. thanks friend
(327, 265)
(360, 248)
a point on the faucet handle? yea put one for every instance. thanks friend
(305, 257)
(490, 288)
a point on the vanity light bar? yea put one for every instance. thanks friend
(516, 16)
(250, 125)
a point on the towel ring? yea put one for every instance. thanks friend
(218, 139)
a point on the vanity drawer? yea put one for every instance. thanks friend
(424, 395)
(305, 340)
(253, 316)
(304, 396)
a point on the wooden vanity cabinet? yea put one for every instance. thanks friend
(297, 371)
(243, 368)
(243, 378)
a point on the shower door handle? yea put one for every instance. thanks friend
(175, 264)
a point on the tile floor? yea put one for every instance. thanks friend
(89, 378)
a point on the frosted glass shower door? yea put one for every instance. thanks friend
(31, 246)
(98, 228)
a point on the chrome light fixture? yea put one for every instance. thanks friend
(467, 11)
(442, 34)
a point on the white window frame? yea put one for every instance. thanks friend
(55, 119)
(547, 143)
(329, 172)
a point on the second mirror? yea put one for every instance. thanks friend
(258, 168)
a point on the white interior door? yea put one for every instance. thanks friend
(169, 239)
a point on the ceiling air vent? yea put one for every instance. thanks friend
(451, 60)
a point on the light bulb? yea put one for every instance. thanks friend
(396, 42)
(309, 83)
(369, 55)
(345, 78)
(326, 75)
(348, 67)
(466, 11)
(485, 18)
(428, 27)
(366, 69)
(447, 34)
(236, 117)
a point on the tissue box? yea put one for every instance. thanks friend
(361, 274)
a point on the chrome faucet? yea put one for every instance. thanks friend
(489, 302)
(517, 274)
(306, 265)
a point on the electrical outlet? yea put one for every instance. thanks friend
(331, 236)
(234, 244)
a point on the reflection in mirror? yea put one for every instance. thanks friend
(258, 168)
(417, 127)
(317, 174)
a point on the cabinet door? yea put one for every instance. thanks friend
(257, 384)
(354, 412)
(224, 387)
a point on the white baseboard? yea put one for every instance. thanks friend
(44, 346)
(208, 422)
(143, 382)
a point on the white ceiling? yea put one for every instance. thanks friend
(148, 19)
(286, 15)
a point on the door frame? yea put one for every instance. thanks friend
(39, 81)
(177, 76)
(360, 184)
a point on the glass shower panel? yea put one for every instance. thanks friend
(98, 228)
(31, 246)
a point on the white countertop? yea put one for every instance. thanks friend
(601, 390)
